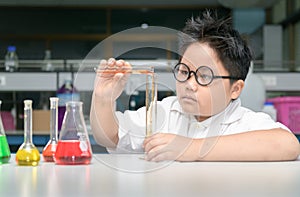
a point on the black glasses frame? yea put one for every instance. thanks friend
(195, 75)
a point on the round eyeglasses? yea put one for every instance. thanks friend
(203, 75)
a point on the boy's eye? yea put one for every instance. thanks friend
(183, 72)
(204, 77)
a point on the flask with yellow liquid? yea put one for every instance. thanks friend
(28, 154)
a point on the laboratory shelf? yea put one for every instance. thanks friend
(84, 81)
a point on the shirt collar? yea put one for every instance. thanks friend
(233, 112)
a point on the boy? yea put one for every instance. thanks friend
(205, 121)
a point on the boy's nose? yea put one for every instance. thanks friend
(192, 83)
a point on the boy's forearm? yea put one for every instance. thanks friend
(104, 123)
(272, 145)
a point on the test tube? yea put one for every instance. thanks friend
(150, 91)
(150, 104)
(134, 70)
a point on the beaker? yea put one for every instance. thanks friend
(28, 154)
(50, 148)
(4, 148)
(73, 145)
(149, 84)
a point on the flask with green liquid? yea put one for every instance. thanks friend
(4, 148)
(28, 154)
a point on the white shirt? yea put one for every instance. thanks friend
(171, 119)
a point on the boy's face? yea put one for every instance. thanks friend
(204, 101)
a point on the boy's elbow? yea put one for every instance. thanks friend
(292, 147)
(294, 151)
(104, 140)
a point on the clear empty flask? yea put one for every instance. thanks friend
(73, 145)
(4, 148)
(28, 154)
(50, 148)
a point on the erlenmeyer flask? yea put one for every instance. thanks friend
(50, 148)
(73, 145)
(28, 154)
(4, 148)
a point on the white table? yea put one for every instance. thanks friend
(129, 175)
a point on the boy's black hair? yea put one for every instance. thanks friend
(229, 46)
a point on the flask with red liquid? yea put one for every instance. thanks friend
(50, 148)
(67, 92)
(73, 144)
(4, 148)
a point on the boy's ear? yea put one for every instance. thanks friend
(236, 88)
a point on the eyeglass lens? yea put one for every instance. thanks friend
(203, 74)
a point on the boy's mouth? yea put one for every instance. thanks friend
(188, 99)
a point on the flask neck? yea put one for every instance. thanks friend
(1, 124)
(28, 122)
(74, 106)
(54, 118)
(47, 55)
(12, 54)
(69, 85)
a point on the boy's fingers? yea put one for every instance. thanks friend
(127, 64)
(111, 60)
(120, 63)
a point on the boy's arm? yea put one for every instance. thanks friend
(104, 123)
(107, 88)
(264, 145)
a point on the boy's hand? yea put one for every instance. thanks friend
(110, 80)
(164, 146)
